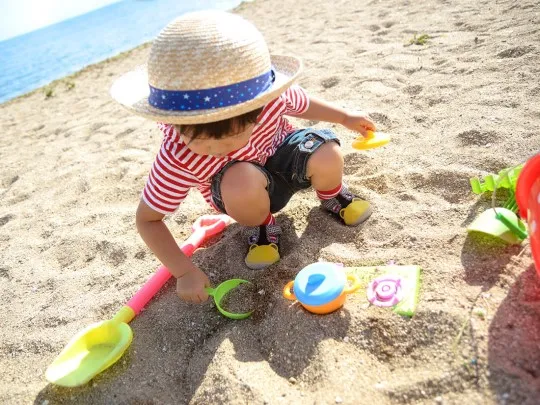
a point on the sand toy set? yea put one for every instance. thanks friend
(519, 217)
(320, 288)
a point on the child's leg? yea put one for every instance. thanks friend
(242, 191)
(325, 170)
(244, 194)
(312, 158)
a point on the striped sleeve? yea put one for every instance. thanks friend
(296, 100)
(168, 184)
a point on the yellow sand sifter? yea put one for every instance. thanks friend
(101, 344)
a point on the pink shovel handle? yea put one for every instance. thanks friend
(203, 228)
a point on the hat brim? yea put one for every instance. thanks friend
(131, 90)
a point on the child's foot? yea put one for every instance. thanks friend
(348, 208)
(263, 246)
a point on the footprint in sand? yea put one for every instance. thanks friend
(413, 90)
(329, 82)
(112, 253)
(53, 322)
(70, 251)
(493, 164)
(5, 219)
(380, 119)
(515, 52)
(140, 255)
(356, 163)
(378, 40)
(97, 126)
(379, 183)
(5, 273)
(452, 185)
(434, 100)
(474, 137)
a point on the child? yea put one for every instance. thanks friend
(221, 100)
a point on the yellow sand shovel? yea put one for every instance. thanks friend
(101, 344)
(371, 140)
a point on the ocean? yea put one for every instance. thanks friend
(34, 59)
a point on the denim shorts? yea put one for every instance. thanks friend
(285, 170)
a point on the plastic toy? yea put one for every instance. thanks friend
(507, 178)
(101, 344)
(385, 291)
(371, 140)
(500, 223)
(321, 287)
(221, 290)
(529, 176)
(528, 199)
(403, 283)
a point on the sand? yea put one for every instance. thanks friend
(464, 104)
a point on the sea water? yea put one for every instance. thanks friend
(34, 59)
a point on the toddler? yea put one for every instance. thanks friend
(221, 99)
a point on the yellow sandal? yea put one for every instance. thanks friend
(263, 247)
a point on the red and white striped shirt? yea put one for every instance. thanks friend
(176, 168)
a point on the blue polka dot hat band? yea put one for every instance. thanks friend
(206, 99)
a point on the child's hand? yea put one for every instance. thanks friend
(190, 287)
(359, 122)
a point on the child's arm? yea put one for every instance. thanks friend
(154, 232)
(320, 110)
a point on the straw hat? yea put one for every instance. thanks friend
(203, 67)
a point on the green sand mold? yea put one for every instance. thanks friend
(507, 178)
(410, 275)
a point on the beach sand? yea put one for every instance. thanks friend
(464, 104)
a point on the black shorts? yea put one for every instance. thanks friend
(285, 170)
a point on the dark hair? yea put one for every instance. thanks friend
(220, 129)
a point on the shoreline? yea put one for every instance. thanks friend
(101, 64)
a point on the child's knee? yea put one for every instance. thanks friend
(243, 183)
(326, 157)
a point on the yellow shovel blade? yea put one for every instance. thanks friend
(90, 352)
(371, 140)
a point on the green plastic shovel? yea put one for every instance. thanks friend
(500, 223)
(221, 291)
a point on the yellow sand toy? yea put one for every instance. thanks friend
(371, 140)
(101, 344)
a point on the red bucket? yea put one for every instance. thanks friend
(528, 199)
